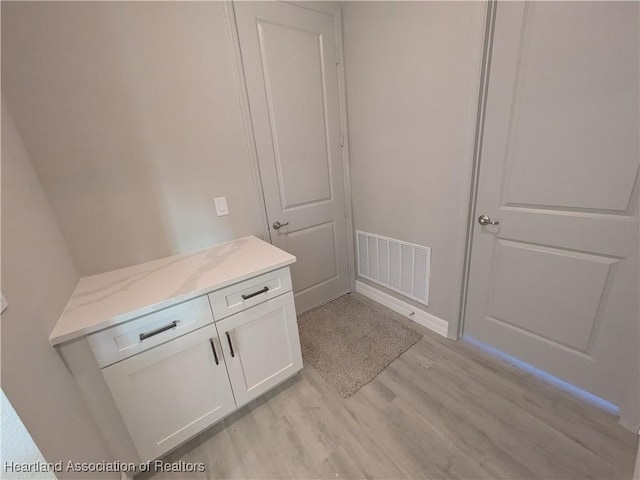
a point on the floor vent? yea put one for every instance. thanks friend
(400, 266)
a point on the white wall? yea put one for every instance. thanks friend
(38, 277)
(411, 72)
(130, 114)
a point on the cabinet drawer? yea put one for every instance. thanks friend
(121, 341)
(242, 295)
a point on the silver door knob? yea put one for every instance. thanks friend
(277, 225)
(486, 220)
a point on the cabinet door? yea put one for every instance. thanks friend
(171, 392)
(261, 346)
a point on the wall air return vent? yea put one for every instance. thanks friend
(400, 266)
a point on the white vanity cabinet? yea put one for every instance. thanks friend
(163, 350)
(171, 392)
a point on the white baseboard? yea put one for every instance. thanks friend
(419, 316)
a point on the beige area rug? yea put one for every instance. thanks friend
(349, 343)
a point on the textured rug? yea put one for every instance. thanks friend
(349, 343)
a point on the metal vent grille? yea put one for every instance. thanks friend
(400, 266)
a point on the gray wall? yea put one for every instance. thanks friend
(130, 114)
(38, 277)
(17, 444)
(411, 70)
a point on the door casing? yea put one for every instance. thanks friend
(474, 163)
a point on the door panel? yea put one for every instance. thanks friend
(289, 57)
(567, 315)
(575, 110)
(301, 152)
(556, 282)
(311, 270)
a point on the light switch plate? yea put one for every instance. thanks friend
(221, 206)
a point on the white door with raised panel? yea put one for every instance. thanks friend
(171, 392)
(290, 62)
(261, 346)
(555, 281)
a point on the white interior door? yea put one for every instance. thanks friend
(556, 282)
(290, 62)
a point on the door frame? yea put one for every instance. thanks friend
(471, 167)
(334, 10)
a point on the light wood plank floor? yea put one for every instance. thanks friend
(443, 409)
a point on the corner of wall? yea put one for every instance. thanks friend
(38, 277)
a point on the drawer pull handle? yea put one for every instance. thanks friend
(254, 294)
(215, 355)
(144, 336)
(230, 344)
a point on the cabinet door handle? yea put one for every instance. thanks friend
(144, 336)
(251, 295)
(230, 344)
(215, 355)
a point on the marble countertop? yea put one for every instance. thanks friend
(100, 301)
